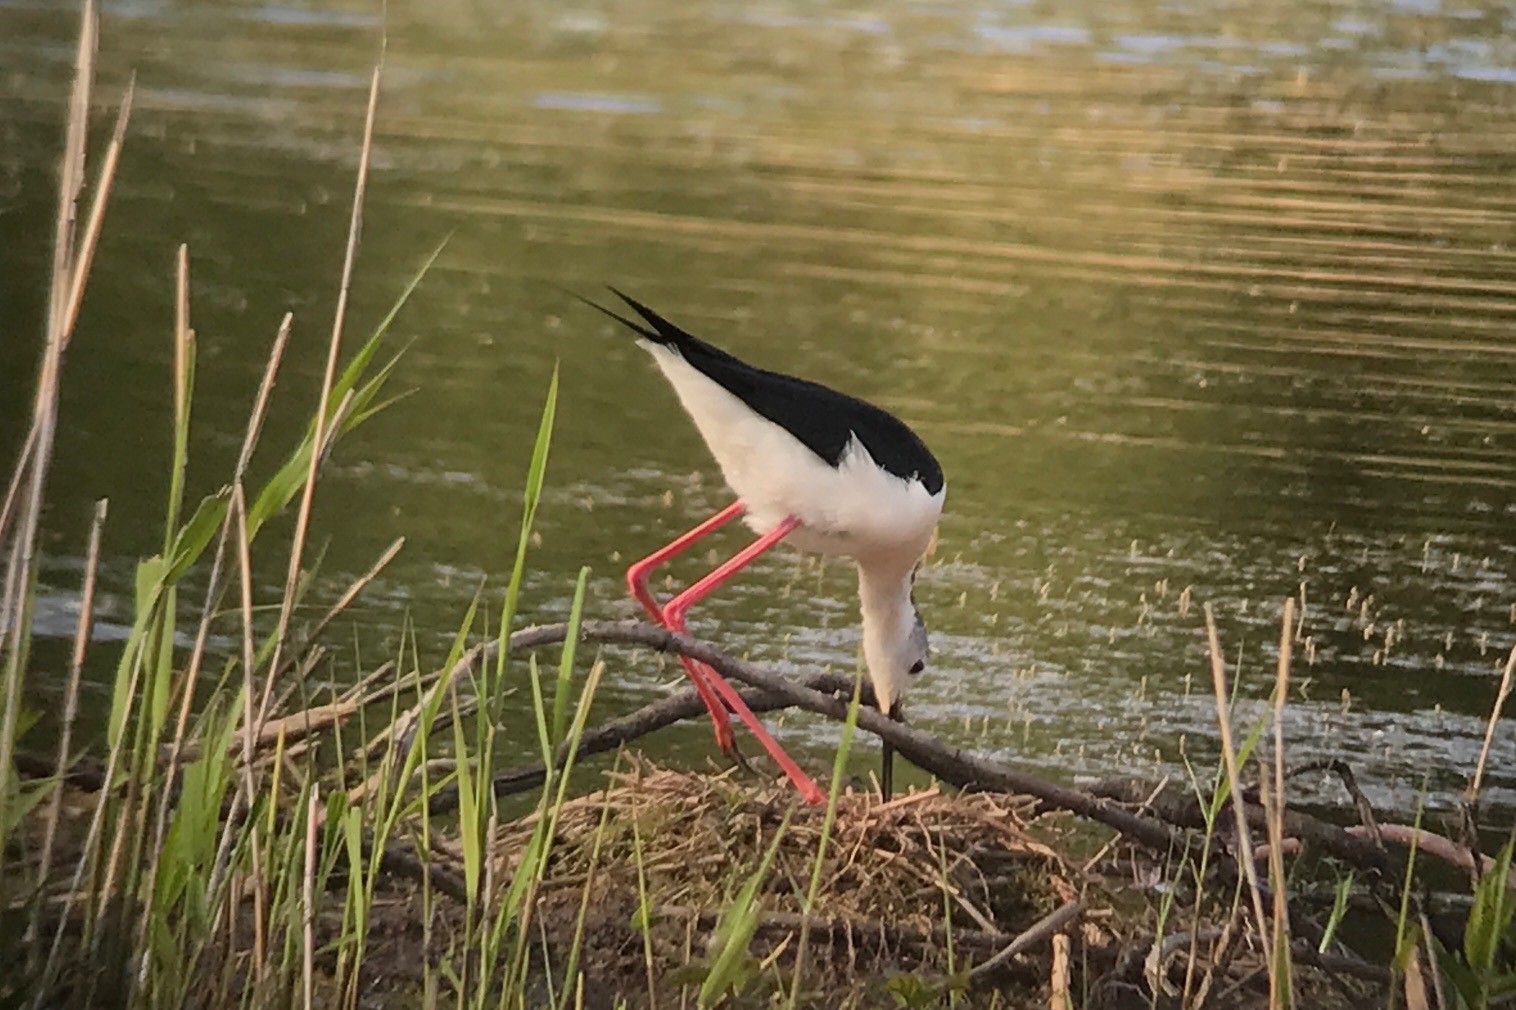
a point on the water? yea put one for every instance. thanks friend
(1195, 302)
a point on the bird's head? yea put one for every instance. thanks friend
(895, 646)
(917, 648)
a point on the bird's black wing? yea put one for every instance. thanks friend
(823, 419)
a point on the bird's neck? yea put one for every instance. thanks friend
(884, 593)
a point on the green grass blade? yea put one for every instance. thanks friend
(566, 661)
(1339, 909)
(813, 889)
(287, 481)
(734, 931)
(470, 834)
(1490, 915)
(532, 496)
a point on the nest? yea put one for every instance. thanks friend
(922, 884)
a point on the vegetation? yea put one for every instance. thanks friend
(233, 842)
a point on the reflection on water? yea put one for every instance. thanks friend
(1195, 302)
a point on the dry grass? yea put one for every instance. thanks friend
(895, 876)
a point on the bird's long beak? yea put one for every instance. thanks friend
(887, 757)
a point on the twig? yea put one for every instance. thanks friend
(1435, 845)
(86, 252)
(8, 505)
(235, 519)
(905, 800)
(82, 633)
(1055, 921)
(1059, 972)
(1274, 814)
(1477, 782)
(343, 602)
(308, 898)
(1177, 806)
(21, 565)
(650, 718)
(329, 378)
(1233, 774)
(1344, 773)
(1164, 833)
(1338, 964)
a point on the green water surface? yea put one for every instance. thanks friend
(1195, 301)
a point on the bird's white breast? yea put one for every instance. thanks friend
(856, 508)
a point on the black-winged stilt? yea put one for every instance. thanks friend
(827, 472)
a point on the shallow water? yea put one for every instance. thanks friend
(1195, 302)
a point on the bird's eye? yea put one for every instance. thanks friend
(917, 667)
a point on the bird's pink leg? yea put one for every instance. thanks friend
(636, 575)
(636, 581)
(673, 619)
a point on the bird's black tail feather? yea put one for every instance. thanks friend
(651, 327)
(636, 327)
(666, 332)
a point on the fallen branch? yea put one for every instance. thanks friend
(850, 931)
(1428, 842)
(1135, 957)
(953, 765)
(1344, 773)
(1175, 809)
(402, 860)
(1180, 806)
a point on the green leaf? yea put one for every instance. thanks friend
(911, 991)
(532, 495)
(693, 973)
(1464, 979)
(332, 823)
(195, 535)
(149, 588)
(360, 362)
(152, 573)
(470, 833)
(189, 848)
(566, 661)
(177, 464)
(352, 838)
(1490, 915)
(1339, 909)
(24, 800)
(159, 676)
(643, 917)
(539, 709)
(1223, 790)
(526, 871)
(286, 482)
(26, 718)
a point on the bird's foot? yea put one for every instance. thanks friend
(735, 756)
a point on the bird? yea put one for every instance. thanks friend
(825, 471)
